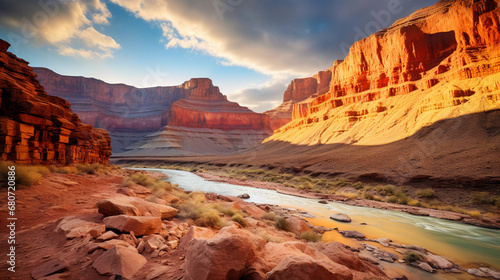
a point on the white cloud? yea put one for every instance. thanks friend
(264, 97)
(67, 25)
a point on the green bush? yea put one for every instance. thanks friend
(239, 219)
(283, 224)
(426, 193)
(410, 256)
(310, 236)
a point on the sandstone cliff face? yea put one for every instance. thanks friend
(150, 120)
(439, 63)
(298, 90)
(39, 128)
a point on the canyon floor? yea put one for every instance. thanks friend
(52, 210)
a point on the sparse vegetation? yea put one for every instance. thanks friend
(386, 190)
(26, 175)
(426, 193)
(410, 256)
(239, 219)
(310, 236)
(269, 216)
(63, 169)
(93, 168)
(283, 224)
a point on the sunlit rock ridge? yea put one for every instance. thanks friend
(439, 63)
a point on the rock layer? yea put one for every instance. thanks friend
(40, 128)
(161, 120)
(439, 63)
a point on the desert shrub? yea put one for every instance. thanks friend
(209, 218)
(347, 194)
(410, 256)
(63, 169)
(414, 202)
(368, 195)
(306, 186)
(426, 193)
(239, 219)
(269, 216)
(401, 197)
(310, 236)
(283, 224)
(474, 213)
(225, 210)
(386, 190)
(392, 199)
(486, 198)
(26, 175)
(93, 168)
(358, 185)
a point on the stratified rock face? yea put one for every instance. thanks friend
(193, 118)
(439, 63)
(39, 128)
(298, 90)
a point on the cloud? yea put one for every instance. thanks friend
(66, 24)
(263, 98)
(279, 37)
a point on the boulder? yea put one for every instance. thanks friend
(244, 196)
(426, 267)
(75, 227)
(340, 217)
(352, 234)
(134, 206)
(308, 269)
(437, 261)
(224, 256)
(138, 224)
(477, 272)
(297, 226)
(108, 245)
(195, 232)
(492, 272)
(123, 261)
(106, 236)
(50, 267)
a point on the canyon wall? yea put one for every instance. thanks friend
(40, 128)
(161, 121)
(441, 62)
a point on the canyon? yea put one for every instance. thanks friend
(194, 118)
(40, 128)
(418, 101)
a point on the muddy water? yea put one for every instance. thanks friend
(466, 245)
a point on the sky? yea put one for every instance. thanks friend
(251, 49)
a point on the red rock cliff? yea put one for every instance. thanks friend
(39, 128)
(440, 62)
(130, 114)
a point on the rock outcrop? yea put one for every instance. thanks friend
(439, 63)
(40, 128)
(192, 118)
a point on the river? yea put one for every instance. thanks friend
(466, 245)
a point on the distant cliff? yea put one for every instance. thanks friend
(439, 63)
(40, 128)
(192, 118)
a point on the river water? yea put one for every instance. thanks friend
(466, 245)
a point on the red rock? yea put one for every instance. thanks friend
(49, 268)
(38, 128)
(298, 226)
(308, 269)
(225, 256)
(402, 78)
(195, 232)
(139, 225)
(123, 261)
(74, 227)
(130, 113)
(134, 206)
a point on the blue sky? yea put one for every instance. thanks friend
(251, 49)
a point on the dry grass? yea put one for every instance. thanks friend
(410, 256)
(269, 216)
(239, 219)
(310, 236)
(93, 168)
(63, 169)
(426, 193)
(283, 224)
(25, 175)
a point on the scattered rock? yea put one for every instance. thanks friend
(352, 234)
(195, 232)
(340, 217)
(244, 196)
(476, 272)
(298, 226)
(108, 245)
(426, 267)
(308, 269)
(74, 227)
(134, 206)
(437, 261)
(107, 236)
(492, 272)
(173, 244)
(138, 224)
(123, 261)
(323, 202)
(49, 268)
(157, 271)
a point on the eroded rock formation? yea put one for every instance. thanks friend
(439, 63)
(40, 128)
(193, 118)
